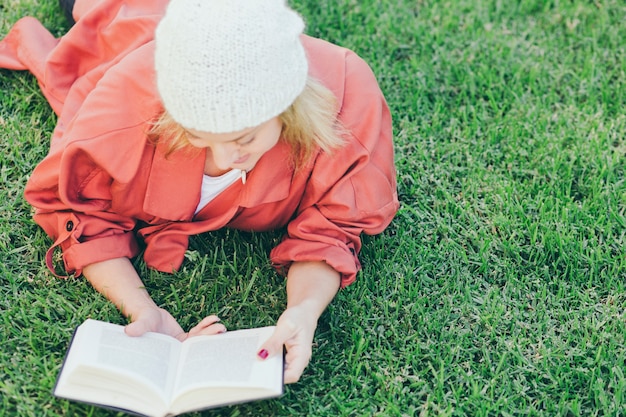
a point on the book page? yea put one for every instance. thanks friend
(223, 360)
(105, 366)
(146, 357)
(151, 358)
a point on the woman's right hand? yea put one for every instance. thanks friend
(154, 319)
(118, 280)
(208, 326)
(160, 320)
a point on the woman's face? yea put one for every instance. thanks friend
(237, 150)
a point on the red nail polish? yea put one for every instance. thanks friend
(263, 354)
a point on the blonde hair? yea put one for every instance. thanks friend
(309, 124)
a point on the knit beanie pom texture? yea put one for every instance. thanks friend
(226, 65)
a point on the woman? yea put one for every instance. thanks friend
(182, 117)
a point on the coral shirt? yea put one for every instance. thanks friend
(103, 185)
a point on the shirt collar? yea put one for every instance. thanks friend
(173, 188)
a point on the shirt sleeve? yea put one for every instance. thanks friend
(94, 155)
(74, 211)
(351, 190)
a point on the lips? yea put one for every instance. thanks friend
(242, 159)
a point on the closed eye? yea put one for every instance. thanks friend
(247, 141)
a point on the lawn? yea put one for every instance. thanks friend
(498, 290)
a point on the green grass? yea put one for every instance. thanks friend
(498, 290)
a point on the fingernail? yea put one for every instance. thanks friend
(263, 354)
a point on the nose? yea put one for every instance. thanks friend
(224, 155)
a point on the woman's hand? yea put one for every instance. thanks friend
(154, 319)
(119, 282)
(295, 330)
(161, 321)
(209, 325)
(310, 287)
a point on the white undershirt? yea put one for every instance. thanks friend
(212, 186)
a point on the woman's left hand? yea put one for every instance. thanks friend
(295, 330)
(310, 287)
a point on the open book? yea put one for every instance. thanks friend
(157, 375)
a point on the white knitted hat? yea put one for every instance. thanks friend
(227, 65)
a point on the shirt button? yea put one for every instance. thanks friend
(69, 226)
